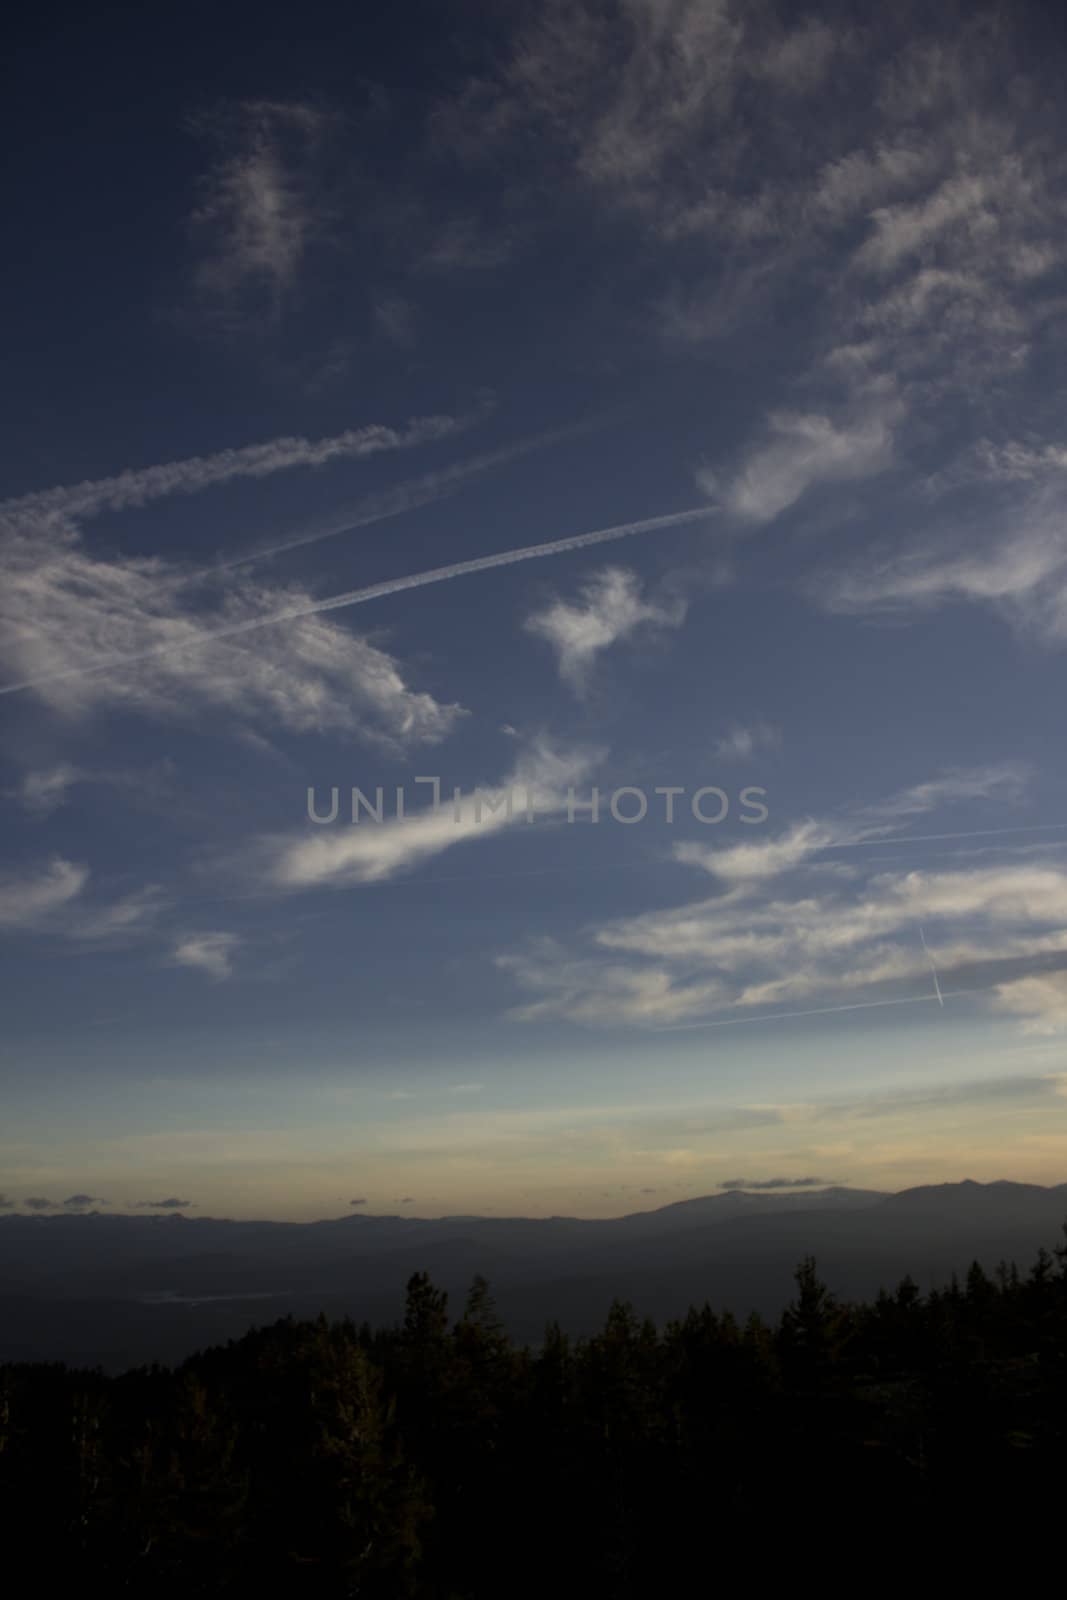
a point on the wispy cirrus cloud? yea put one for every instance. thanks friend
(260, 203)
(732, 956)
(29, 899)
(44, 790)
(65, 610)
(774, 935)
(1010, 557)
(52, 899)
(622, 90)
(764, 859)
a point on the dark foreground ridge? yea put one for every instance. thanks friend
(438, 1459)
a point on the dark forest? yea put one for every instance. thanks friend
(437, 1458)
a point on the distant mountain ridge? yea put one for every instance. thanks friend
(956, 1198)
(116, 1289)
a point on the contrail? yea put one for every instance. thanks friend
(933, 969)
(137, 487)
(930, 838)
(817, 1011)
(379, 591)
(409, 496)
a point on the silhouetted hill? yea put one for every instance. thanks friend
(744, 1202)
(1001, 1201)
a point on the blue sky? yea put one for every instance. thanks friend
(328, 349)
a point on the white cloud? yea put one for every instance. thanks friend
(211, 953)
(1014, 561)
(118, 921)
(762, 859)
(626, 91)
(805, 450)
(902, 230)
(742, 743)
(736, 954)
(64, 609)
(1014, 462)
(853, 184)
(610, 608)
(598, 993)
(67, 612)
(1041, 1001)
(344, 854)
(1004, 784)
(52, 901)
(757, 943)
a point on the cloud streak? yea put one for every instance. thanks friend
(773, 1183)
(139, 486)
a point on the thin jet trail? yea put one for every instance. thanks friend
(930, 838)
(933, 969)
(817, 1011)
(410, 496)
(378, 591)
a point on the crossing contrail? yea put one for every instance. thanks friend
(933, 969)
(378, 591)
